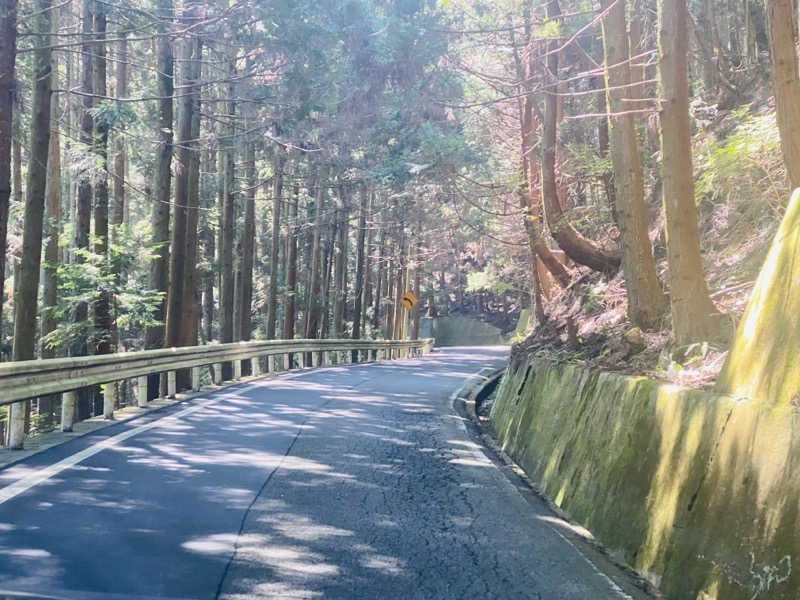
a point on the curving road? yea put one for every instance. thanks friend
(346, 482)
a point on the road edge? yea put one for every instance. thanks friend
(464, 402)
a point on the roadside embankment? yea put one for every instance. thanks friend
(699, 492)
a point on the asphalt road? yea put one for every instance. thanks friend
(346, 482)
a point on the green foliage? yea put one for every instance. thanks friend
(79, 283)
(746, 166)
(110, 113)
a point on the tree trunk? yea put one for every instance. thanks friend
(646, 301)
(326, 284)
(376, 309)
(83, 204)
(120, 157)
(27, 282)
(51, 252)
(693, 312)
(367, 292)
(190, 321)
(277, 190)
(417, 292)
(159, 263)
(358, 290)
(181, 315)
(8, 49)
(786, 83)
(575, 245)
(291, 267)
(340, 277)
(248, 243)
(314, 303)
(227, 274)
(102, 302)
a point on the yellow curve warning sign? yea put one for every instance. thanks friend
(408, 300)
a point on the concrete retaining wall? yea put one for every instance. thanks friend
(465, 331)
(699, 492)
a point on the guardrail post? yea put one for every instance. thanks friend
(141, 391)
(172, 386)
(237, 370)
(255, 366)
(217, 373)
(195, 379)
(109, 399)
(67, 411)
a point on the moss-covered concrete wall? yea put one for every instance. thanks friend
(764, 361)
(698, 491)
(465, 331)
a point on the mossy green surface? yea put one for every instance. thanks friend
(465, 331)
(694, 489)
(764, 361)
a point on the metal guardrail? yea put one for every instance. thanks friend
(33, 378)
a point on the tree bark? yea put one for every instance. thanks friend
(102, 302)
(27, 281)
(367, 292)
(358, 290)
(291, 267)
(277, 191)
(83, 204)
(8, 50)
(786, 83)
(120, 157)
(52, 224)
(340, 276)
(575, 245)
(227, 274)
(376, 309)
(328, 261)
(248, 245)
(314, 300)
(159, 263)
(646, 301)
(693, 312)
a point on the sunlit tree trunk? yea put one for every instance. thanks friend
(291, 267)
(368, 292)
(314, 300)
(786, 83)
(646, 301)
(340, 270)
(52, 224)
(26, 283)
(358, 288)
(693, 312)
(575, 245)
(379, 280)
(277, 190)
(227, 274)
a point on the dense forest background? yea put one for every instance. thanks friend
(174, 174)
